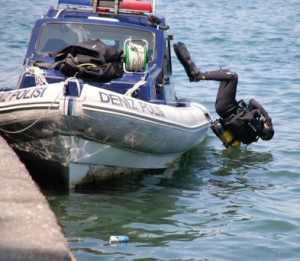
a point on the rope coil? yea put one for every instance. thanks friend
(136, 55)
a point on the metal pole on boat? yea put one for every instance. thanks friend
(154, 6)
(116, 6)
(95, 5)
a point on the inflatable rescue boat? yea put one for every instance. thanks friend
(133, 120)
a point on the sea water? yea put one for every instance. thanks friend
(215, 204)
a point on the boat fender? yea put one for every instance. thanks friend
(185, 59)
(225, 135)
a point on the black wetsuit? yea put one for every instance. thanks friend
(247, 122)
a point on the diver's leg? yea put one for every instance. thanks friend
(226, 103)
(184, 57)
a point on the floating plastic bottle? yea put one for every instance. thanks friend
(118, 239)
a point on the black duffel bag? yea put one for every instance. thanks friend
(91, 60)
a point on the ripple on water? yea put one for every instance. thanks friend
(216, 204)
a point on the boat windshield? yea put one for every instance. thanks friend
(55, 36)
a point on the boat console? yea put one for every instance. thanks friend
(116, 23)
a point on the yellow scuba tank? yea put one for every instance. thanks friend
(228, 138)
(225, 135)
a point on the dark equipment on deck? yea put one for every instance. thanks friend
(91, 60)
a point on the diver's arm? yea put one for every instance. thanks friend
(253, 104)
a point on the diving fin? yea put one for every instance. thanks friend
(185, 59)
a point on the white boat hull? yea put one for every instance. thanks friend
(98, 127)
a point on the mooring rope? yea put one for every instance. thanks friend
(135, 87)
(39, 76)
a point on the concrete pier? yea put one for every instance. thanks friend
(28, 228)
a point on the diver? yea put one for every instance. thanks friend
(239, 122)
